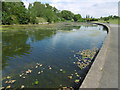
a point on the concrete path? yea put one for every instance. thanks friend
(109, 77)
(104, 71)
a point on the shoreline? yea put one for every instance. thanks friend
(66, 22)
(94, 74)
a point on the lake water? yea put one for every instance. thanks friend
(53, 47)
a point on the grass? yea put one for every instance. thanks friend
(53, 26)
(111, 21)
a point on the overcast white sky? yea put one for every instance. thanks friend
(95, 8)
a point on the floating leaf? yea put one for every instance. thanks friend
(8, 77)
(39, 72)
(64, 87)
(77, 75)
(8, 86)
(22, 86)
(36, 82)
(77, 80)
(70, 77)
(63, 71)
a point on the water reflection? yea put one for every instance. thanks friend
(14, 44)
(23, 47)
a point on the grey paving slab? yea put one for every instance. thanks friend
(109, 77)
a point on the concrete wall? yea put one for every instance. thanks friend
(92, 79)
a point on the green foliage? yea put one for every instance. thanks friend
(50, 16)
(36, 82)
(77, 17)
(89, 18)
(13, 13)
(106, 19)
(43, 10)
(109, 17)
(16, 13)
(112, 21)
(67, 15)
(40, 20)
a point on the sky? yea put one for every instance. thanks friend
(94, 8)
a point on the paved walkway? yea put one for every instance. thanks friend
(104, 71)
(109, 77)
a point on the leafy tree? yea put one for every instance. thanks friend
(106, 19)
(42, 10)
(48, 6)
(109, 17)
(32, 16)
(38, 9)
(14, 12)
(77, 17)
(67, 15)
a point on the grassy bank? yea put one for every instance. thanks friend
(52, 26)
(111, 21)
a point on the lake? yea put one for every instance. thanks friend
(43, 56)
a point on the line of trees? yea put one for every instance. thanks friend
(16, 13)
(109, 17)
(89, 18)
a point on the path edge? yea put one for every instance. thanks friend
(92, 79)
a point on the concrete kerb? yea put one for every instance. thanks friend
(92, 79)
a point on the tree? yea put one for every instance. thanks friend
(106, 19)
(77, 17)
(48, 6)
(67, 15)
(42, 10)
(14, 12)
